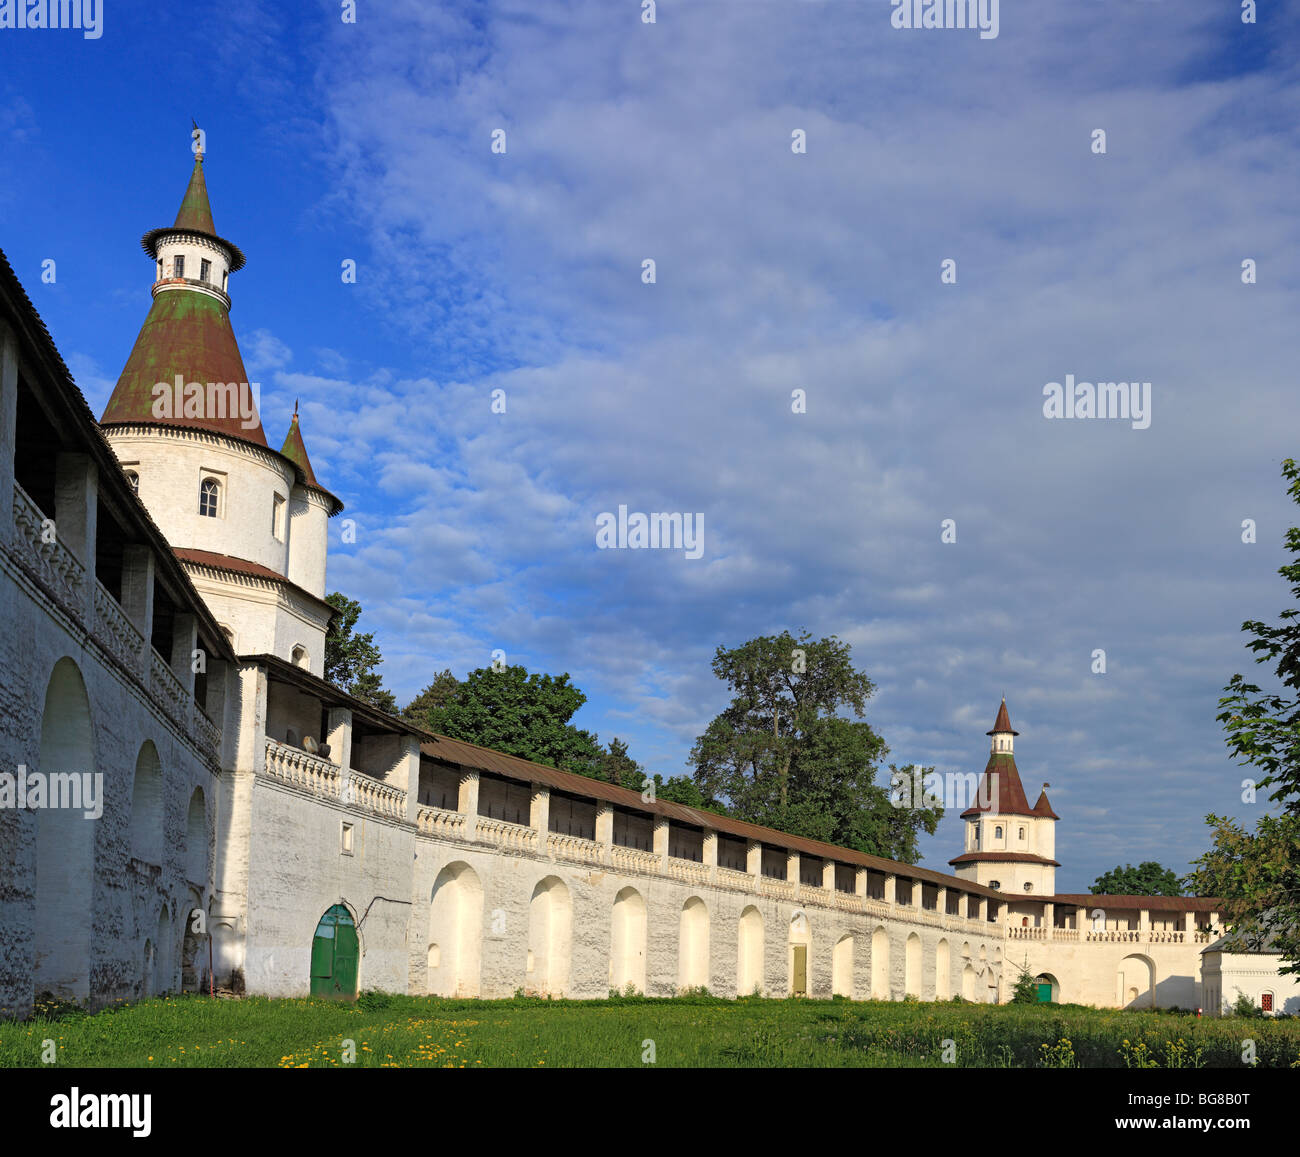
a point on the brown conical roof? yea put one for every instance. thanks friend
(296, 450)
(1043, 808)
(186, 333)
(1002, 724)
(1001, 786)
(195, 214)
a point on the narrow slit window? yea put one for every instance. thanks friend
(205, 267)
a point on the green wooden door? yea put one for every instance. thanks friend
(335, 955)
(1044, 993)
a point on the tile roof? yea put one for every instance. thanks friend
(1003, 857)
(1001, 786)
(513, 767)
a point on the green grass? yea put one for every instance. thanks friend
(694, 1031)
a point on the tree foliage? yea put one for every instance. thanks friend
(1147, 879)
(1258, 873)
(520, 714)
(783, 756)
(351, 657)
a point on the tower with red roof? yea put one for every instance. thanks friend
(1009, 843)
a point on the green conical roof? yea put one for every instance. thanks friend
(195, 213)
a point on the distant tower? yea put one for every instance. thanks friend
(1009, 845)
(248, 522)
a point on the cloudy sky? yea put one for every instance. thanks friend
(775, 271)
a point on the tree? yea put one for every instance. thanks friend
(520, 714)
(437, 694)
(351, 657)
(1258, 874)
(781, 755)
(619, 768)
(1147, 879)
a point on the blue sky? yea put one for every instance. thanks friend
(775, 271)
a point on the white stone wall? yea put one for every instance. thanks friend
(1228, 975)
(118, 909)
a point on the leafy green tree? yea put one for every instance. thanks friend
(437, 694)
(1147, 879)
(617, 766)
(520, 714)
(351, 657)
(1258, 874)
(781, 755)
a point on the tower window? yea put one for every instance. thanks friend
(277, 516)
(997, 832)
(299, 656)
(1022, 833)
(133, 480)
(205, 267)
(225, 277)
(160, 269)
(996, 885)
(1029, 887)
(178, 266)
(209, 496)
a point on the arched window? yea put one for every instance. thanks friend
(997, 832)
(1022, 833)
(133, 480)
(209, 494)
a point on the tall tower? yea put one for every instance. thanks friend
(1009, 845)
(248, 522)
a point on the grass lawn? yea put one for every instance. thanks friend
(693, 1031)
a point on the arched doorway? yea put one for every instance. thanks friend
(749, 958)
(880, 964)
(1136, 982)
(65, 844)
(842, 967)
(162, 960)
(550, 922)
(194, 948)
(455, 932)
(693, 945)
(196, 840)
(627, 935)
(1048, 989)
(335, 955)
(912, 966)
(145, 829)
(942, 971)
(800, 945)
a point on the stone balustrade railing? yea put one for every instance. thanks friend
(39, 551)
(772, 886)
(1110, 935)
(436, 821)
(731, 878)
(116, 632)
(506, 835)
(374, 795)
(209, 735)
(574, 848)
(692, 871)
(294, 766)
(169, 690)
(635, 860)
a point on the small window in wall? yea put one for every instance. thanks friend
(178, 266)
(277, 516)
(1029, 887)
(133, 480)
(997, 832)
(996, 885)
(209, 498)
(1022, 833)
(299, 656)
(160, 269)
(977, 835)
(225, 278)
(205, 268)
(1266, 1002)
(346, 839)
